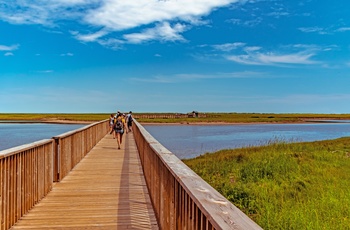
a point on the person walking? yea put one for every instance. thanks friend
(118, 129)
(111, 124)
(129, 121)
(125, 126)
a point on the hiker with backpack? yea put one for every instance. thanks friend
(119, 130)
(129, 121)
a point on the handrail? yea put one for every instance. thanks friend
(26, 176)
(72, 146)
(181, 199)
(27, 172)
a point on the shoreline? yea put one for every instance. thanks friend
(50, 121)
(58, 121)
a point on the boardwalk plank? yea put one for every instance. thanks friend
(106, 190)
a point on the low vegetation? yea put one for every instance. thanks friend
(284, 185)
(182, 118)
(241, 118)
(52, 117)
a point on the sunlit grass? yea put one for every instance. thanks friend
(57, 116)
(284, 186)
(204, 117)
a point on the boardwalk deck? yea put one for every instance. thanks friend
(106, 190)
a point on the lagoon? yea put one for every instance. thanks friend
(15, 134)
(188, 141)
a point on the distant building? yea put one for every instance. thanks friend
(193, 114)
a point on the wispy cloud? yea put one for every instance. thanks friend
(8, 54)
(189, 77)
(45, 71)
(286, 55)
(228, 46)
(315, 29)
(322, 31)
(272, 58)
(343, 29)
(247, 23)
(67, 54)
(92, 37)
(8, 48)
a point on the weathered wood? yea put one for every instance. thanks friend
(106, 190)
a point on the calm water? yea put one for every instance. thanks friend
(187, 141)
(12, 135)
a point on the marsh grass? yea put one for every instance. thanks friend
(249, 118)
(54, 116)
(208, 118)
(284, 185)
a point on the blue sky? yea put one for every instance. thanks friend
(99, 56)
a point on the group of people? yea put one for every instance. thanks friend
(118, 124)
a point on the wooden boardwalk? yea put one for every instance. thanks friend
(106, 190)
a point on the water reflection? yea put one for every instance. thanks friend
(187, 141)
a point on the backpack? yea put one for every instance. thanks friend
(119, 125)
(129, 118)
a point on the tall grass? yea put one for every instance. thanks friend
(284, 185)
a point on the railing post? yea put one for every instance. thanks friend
(56, 159)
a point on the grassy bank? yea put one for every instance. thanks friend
(162, 117)
(52, 117)
(284, 186)
(246, 118)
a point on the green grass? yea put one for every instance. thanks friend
(247, 118)
(283, 185)
(209, 117)
(58, 116)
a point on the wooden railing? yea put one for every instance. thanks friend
(73, 146)
(27, 172)
(181, 199)
(26, 176)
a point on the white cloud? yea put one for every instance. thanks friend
(254, 55)
(43, 12)
(67, 54)
(8, 54)
(121, 15)
(89, 37)
(247, 23)
(273, 59)
(163, 31)
(8, 48)
(189, 77)
(251, 48)
(316, 29)
(151, 19)
(343, 29)
(45, 71)
(228, 46)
